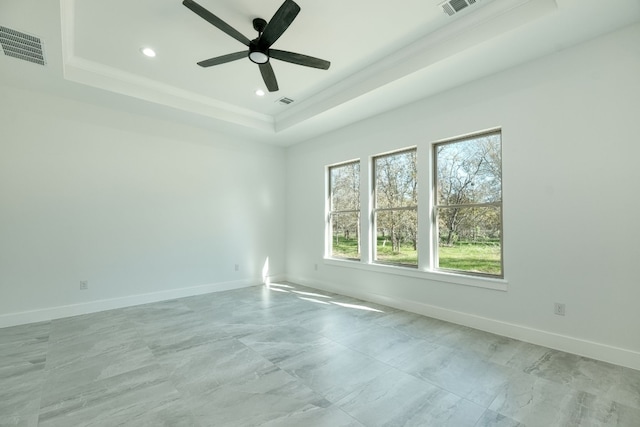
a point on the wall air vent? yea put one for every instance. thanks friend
(22, 46)
(284, 100)
(451, 7)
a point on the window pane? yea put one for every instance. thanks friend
(396, 235)
(469, 239)
(345, 187)
(345, 241)
(344, 211)
(396, 184)
(469, 171)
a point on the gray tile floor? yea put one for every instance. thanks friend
(294, 356)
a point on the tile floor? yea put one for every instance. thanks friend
(294, 356)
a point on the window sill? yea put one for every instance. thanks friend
(439, 276)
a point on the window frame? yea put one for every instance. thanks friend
(375, 210)
(330, 213)
(426, 233)
(435, 235)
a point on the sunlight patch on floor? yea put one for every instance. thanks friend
(356, 306)
(312, 294)
(317, 301)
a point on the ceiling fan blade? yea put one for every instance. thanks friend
(300, 59)
(216, 22)
(223, 59)
(281, 20)
(269, 77)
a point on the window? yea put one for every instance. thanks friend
(344, 211)
(468, 205)
(395, 213)
(462, 234)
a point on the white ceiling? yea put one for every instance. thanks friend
(383, 54)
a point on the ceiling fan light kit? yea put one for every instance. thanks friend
(258, 57)
(260, 51)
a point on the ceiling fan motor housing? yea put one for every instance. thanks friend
(259, 24)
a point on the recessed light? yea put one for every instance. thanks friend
(260, 92)
(147, 51)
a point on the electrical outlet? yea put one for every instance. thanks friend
(559, 309)
(315, 267)
(84, 285)
(237, 267)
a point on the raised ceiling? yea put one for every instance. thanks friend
(383, 54)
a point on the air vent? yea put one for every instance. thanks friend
(451, 7)
(22, 46)
(284, 100)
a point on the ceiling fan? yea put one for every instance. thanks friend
(260, 48)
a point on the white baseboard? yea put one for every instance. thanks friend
(50, 313)
(606, 353)
(594, 350)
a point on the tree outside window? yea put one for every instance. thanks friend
(468, 205)
(396, 208)
(344, 211)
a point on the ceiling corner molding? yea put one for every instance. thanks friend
(67, 22)
(492, 20)
(80, 70)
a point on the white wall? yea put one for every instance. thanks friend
(142, 209)
(146, 210)
(571, 199)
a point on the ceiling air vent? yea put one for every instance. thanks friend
(451, 7)
(284, 100)
(22, 46)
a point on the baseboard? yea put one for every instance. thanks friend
(50, 313)
(594, 350)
